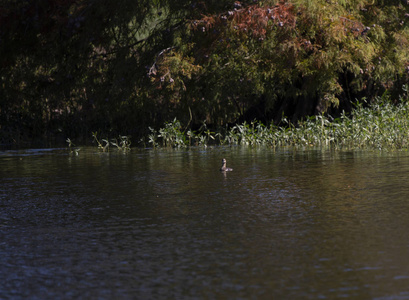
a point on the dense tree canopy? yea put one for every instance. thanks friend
(76, 66)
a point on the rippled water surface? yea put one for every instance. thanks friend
(285, 224)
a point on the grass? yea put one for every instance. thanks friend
(380, 125)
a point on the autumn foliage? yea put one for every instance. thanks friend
(299, 57)
(73, 67)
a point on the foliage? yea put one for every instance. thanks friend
(74, 67)
(71, 147)
(172, 136)
(380, 125)
(123, 144)
(301, 57)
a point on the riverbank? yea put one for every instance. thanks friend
(380, 125)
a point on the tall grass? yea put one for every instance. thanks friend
(380, 125)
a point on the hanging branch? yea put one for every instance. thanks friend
(153, 69)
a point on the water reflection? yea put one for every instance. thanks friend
(167, 224)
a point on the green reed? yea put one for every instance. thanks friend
(173, 135)
(121, 143)
(380, 125)
(71, 147)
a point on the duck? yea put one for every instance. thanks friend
(224, 168)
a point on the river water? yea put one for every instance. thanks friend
(166, 224)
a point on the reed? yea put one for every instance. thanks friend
(71, 147)
(122, 143)
(380, 125)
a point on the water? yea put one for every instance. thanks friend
(284, 224)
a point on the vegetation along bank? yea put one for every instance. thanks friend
(220, 69)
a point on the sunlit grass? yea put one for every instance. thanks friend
(380, 125)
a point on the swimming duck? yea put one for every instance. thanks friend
(224, 168)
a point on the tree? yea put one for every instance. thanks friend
(296, 57)
(77, 66)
